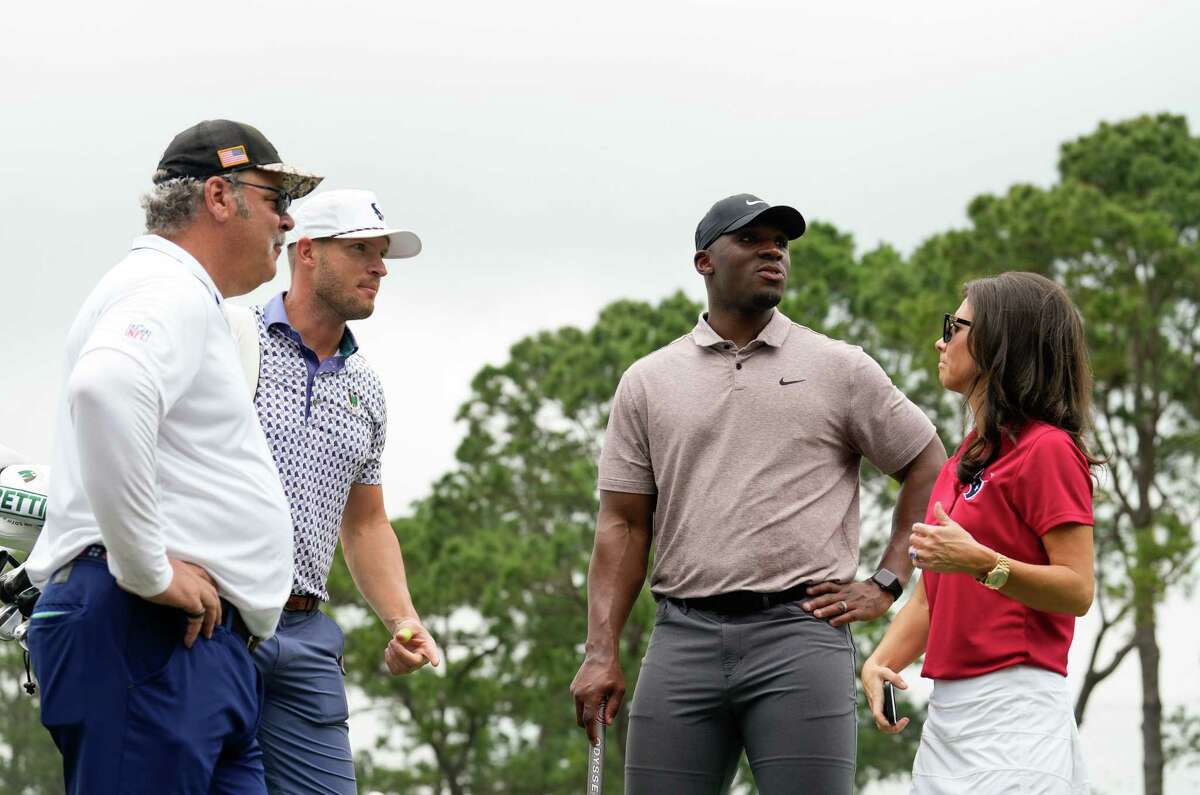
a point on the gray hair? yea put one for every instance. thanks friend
(172, 203)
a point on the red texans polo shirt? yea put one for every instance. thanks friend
(1039, 482)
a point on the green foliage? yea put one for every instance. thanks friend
(29, 762)
(1183, 738)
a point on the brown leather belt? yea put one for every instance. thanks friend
(298, 601)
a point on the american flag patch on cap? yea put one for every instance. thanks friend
(233, 156)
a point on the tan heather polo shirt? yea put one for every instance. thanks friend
(754, 454)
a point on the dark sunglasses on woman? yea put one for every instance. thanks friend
(950, 324)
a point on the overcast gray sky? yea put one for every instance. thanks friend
(554, 157)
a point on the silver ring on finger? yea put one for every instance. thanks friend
(912, 554)
(845, 607)
(196, 616)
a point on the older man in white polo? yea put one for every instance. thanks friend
(166, 551)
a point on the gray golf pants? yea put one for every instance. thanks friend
(777, 683)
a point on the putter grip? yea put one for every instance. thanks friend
(595, 779)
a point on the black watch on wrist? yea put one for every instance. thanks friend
(888, 582)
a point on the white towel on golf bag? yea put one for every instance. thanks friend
(244, 325)
(1009, 731)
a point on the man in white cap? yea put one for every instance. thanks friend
(322, 408)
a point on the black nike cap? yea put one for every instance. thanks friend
(742, 209)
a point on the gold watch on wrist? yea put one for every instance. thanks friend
(996, 578)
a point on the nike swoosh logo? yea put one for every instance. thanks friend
(760, 201)
(785, 383)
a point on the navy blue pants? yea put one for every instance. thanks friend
(304, 733)
(132, 711)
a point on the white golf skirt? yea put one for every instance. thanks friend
(1009, 731)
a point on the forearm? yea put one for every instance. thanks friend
(1050, 588)
(615, 577)
(910, 507)
(1062, 585)
(906, 636)
(916, 484)
(376, 564)
(114, 408)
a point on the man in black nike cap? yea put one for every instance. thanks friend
(743, 441)
(741, 210)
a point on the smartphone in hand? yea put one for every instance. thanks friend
(889, 703)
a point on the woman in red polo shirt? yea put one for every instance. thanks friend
(1005, 549)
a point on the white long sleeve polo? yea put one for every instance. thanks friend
(114, 408)
(157, 451)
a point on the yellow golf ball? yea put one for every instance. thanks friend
(405, 634)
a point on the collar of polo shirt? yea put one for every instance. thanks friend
(275, 315)
(773, 334)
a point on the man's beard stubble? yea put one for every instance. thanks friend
(762, 301)
(342, 303)
(345, 307)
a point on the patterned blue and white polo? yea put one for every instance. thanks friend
(326, 423)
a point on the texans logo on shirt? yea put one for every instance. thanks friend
(975, 487)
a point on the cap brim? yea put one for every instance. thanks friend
(402, 244)
(786, 218)
(296, 182)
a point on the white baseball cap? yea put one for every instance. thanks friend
(351, 214)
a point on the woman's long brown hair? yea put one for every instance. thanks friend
(1027, 340)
